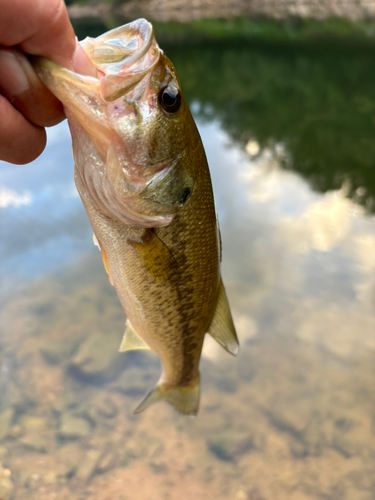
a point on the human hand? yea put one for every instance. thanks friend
(36, 27)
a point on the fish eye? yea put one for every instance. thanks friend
(170, 99)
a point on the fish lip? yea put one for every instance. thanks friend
(118, 77)
(138, 54)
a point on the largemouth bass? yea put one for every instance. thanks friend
(142, 174)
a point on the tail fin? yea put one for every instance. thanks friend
(185, 400)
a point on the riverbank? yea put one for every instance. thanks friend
(286, 22)
(182, 11)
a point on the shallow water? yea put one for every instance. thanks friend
(289, 134)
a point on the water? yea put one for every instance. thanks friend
(289, 134)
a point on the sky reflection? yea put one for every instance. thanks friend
(289, 418)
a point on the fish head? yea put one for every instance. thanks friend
(133, 134)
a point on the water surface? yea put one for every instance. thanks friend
(289, 134)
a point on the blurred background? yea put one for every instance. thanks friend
(284, 98)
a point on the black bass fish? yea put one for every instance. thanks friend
(142, 174)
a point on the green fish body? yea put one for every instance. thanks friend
(142, 174)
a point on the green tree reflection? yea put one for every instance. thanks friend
(318, 101)
(316, 98)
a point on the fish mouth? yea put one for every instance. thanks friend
(104, 106)
(123, 57)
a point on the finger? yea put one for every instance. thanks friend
(82, 63)
(38, 27)
(22, 87)
(21, 141)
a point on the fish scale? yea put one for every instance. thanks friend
(143, 177)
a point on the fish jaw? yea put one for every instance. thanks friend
(110, 109)
(123, 57)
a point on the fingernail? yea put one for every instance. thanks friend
(13, 78)
(82, 63)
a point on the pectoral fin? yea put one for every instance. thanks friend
(185, 400)
(131, 340)
(104, 257)
(155, 255)
(222, 328)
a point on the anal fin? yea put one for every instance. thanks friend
(222, 328)
(131, 340)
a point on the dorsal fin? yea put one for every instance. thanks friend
(222, 328)
(131, 340)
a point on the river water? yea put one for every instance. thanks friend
(289, 134)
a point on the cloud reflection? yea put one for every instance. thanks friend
(10, 198)
(290, 253)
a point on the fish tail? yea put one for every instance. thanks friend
(185, 400)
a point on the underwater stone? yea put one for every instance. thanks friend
(34, 423)
(6, 418)
(89, 465)
(68, 400)
(286, 418)
(107, 461)
(313, 438)
(35, 442)
(6, 484)
(133, 382)
(50, 478)
(105, 408)
(346, 446)
(98, 360)
(71, 471)
(34, 437)
(73, 427)
(21, 401)
(158, 465)
(56, 352)
(229, 447)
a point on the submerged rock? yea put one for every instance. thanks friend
(310, 441)
(158, 465)
(345, 444)
(73, 427)
(285, 417)
(89, 465)
(34, 442)
(6, 418)
(229, 446)
(134, 382)
(6, 484)
(67, 401)
(21, 400)
(104, 407)
(56, 352)
(107, 461)
(97, 359)
(34, 433)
